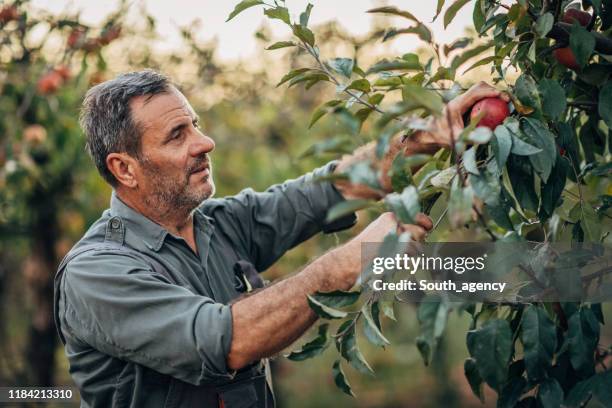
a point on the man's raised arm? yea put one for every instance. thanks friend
(270, 320)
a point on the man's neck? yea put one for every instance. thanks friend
(174, 220)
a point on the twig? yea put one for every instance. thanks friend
(598, 274)
(560, 32)
(484, 223)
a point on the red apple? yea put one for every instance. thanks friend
(63, 71)
(49, 83)
(76, 37)
(566, 57)
(582, 17)
(110, 34)
(495, 111)
(8, 13)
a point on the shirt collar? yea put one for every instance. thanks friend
(145, 229)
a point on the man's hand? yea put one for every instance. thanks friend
(450, 124)
(442, 130)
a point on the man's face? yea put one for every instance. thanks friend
(175, 172)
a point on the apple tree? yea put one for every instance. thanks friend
(536, 170)
(47, 62)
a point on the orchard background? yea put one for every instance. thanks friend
(544, 175)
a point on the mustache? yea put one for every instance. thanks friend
(200, 163)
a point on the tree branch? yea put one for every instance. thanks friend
(560, 32)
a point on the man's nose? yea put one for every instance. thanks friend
(202, 144)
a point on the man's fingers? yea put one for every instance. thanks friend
(474, 94)
(416, 232)
(424, 221)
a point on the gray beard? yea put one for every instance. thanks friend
(169, 198)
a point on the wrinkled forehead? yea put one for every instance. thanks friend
(157, 110)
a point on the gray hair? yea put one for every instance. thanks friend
(106, 117)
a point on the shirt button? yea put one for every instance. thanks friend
(115, 224)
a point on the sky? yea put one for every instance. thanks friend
(236, 39)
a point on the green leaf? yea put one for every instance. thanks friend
(362, 85)
(553, 98)
(292, 74)
(428, 99)
(597, 386)
(279, 13)
(347, 207)
(480, 135)
(511, 393)
(362, 173)
(473, 376)
(484, 61)
(539, 339)
(349, 349)
(340, 379)
(372, 327)
(304, 34)
(605, 104)
(469, 161)
(281, 44)
(521, 148)
(305, 16)
(405, 205)
(243, 5)
(451, 12)
(478, 16)
(324, 311)
(550, 394)
(491, 347)
(400, 173)
(432, 316)
(322, 110)
(501, 144)
(460, 204)
(387, 309)
(417, 159)
(336, 298)
(443, 178)
(544, 24)
(313, 348)
(520, 173)
(335, 145)
(537, 132)
(343, 66)
(582, 338)
(439, 7)
(582, 43)
(552, 190)
(567, 140)
(394, 11)
(527, 91)
(469, 54)
(420, 30)
(590, 224)
(394, 65)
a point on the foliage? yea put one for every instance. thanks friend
(544, 174)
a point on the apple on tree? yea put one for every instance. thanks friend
(495, 111)
(564, 55)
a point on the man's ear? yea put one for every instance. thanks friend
(123, 167)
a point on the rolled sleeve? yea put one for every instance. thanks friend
(118, 305)
(271, 222)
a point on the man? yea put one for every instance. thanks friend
(148, 302)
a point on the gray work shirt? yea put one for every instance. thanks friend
(135, 337)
